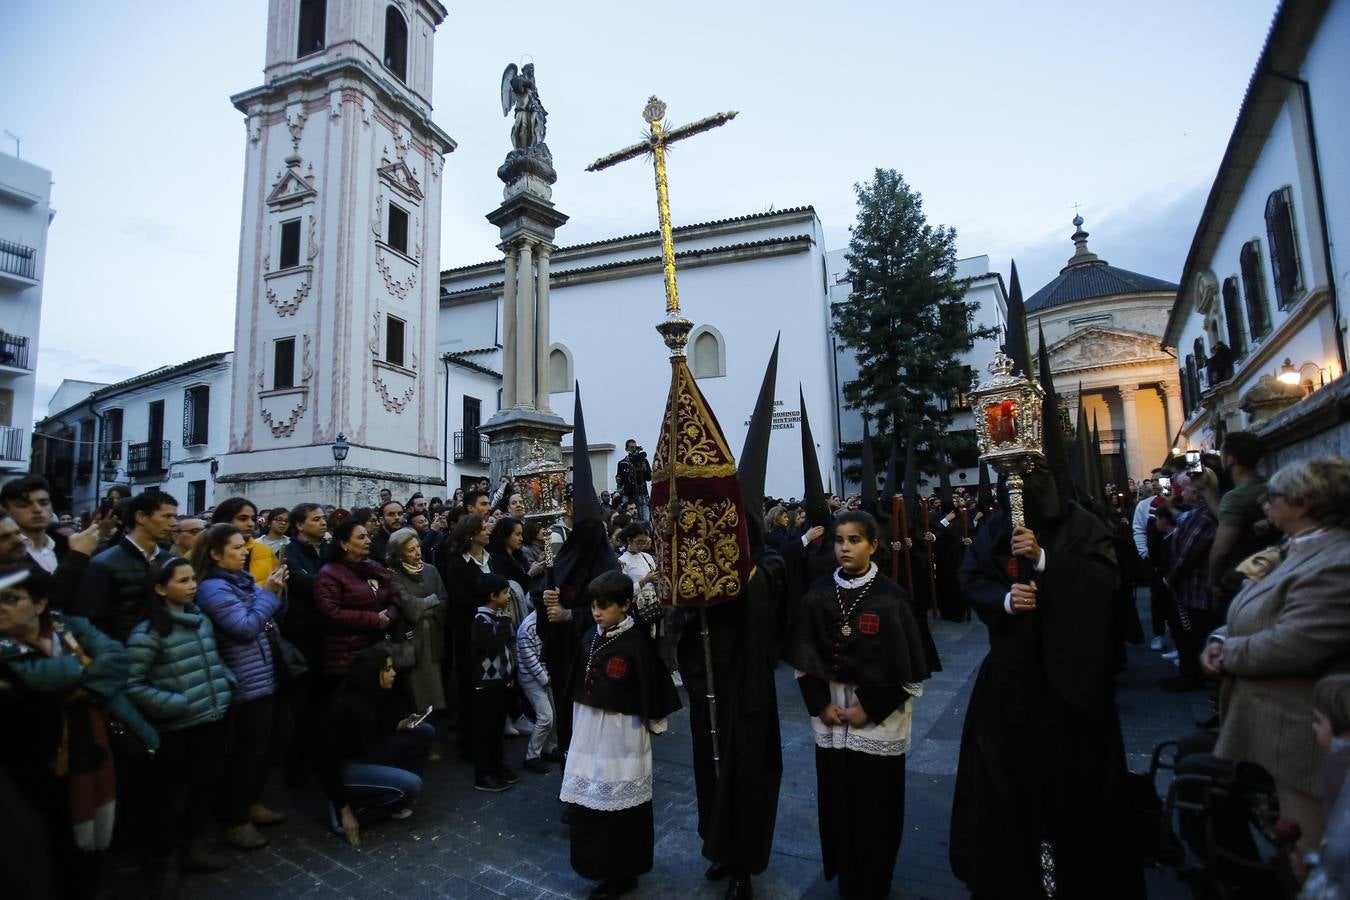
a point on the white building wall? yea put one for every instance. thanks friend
(25, 215)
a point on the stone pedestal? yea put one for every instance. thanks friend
(528, 221)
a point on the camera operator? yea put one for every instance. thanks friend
(634, 473)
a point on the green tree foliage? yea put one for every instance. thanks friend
(907, 320)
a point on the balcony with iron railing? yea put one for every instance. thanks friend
(11, 444)
(150, 458)
(13, 351)
(472, 447)
(18, 264)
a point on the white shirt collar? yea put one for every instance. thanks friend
(854, 583)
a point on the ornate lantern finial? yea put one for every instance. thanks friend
(1009, 429)
(541, 483)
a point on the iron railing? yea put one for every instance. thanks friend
(11, 443)
(16, 259)
(150, 458)
(13, 350)
(471, 447)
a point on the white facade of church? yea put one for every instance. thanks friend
(339, 251)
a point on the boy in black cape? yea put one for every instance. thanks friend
(621, 694)
(1041, 786)
(859, 658)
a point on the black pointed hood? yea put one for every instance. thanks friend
(984, 497)
(585, 504)
(1056, 454)
(911, 494)
(754, 458)
(944, 476)
(1098, 465)
(813, 493)
(1082, 449)
(1016, 347)
(587, 552)
(869, 474)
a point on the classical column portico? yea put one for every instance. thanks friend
(541, 332)
(1133, 459)
(1176, 416)
(509, 330)
(524, 303)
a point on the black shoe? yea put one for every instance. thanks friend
(553, 756)
(1180, 684)
(507, 775)
(537, 766)
(739, 888)
(490, 783)
(613, 887)
(716, 872)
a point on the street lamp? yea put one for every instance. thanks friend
(340, 449)
(1288, 374)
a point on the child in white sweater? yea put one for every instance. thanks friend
(534, 679)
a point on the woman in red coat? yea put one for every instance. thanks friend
(355, 599)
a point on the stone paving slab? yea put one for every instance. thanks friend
(466, 844)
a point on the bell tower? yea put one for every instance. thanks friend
(339, 256)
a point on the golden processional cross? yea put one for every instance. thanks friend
(658, 138)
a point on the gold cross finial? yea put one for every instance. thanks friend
(675, 329)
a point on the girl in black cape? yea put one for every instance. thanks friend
(621, 695)
(860, 658)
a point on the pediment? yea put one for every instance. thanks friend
(401, 178)
(1099, 347)
(290, 189)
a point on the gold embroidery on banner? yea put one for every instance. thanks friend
(700, 449)
(706, 551)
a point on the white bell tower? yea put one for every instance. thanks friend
(339, 256)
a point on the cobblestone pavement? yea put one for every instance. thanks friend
(467, 844)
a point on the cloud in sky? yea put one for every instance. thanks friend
(1002, 115)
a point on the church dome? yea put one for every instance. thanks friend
(1087, 276)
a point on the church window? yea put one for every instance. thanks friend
(313, 21)
(396, 44)
(196, 414)
(1283, 241)
(289, 256)
(283, 363)
(393, 341)
(1254, 289)
(708, 358)
(1232, 315)
(398, 229)
(112, 434)
(559, 369)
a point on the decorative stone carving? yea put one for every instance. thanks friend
(295, 122)
(393, 403)
(399, 288)
(529, 156)
(313, 250)
(400, 176)
(335, 105)
(267, 252)
(289, 307)
(290, 189)
(1267, 397)
(254, 128)
(367, 108)
(1103, 347)
(286, 427)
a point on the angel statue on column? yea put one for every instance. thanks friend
(521, 94)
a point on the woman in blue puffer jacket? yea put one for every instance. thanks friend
(242, 612)
(181, 684)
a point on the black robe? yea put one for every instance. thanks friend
(947, 554)
(738, 800)
(860, 796)
(1041, 752)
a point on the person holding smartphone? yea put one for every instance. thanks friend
(373, 750)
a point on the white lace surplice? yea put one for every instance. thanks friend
(890, 737)
(609, 762)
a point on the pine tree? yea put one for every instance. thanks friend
(907, 320)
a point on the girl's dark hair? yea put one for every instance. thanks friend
(866, 524)
(531, 530)
(214, 539)
(463, 532)
(610, 588)
(501, 533)
(228, 509)
(364, 515)
(155, 609)
(491, 584)
(279, 511)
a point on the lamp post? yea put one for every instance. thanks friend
(340, 448)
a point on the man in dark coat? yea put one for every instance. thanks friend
(1041, 786)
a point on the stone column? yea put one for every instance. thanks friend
(541, 345)
(525, 326)
(509, 330)
(1134, 461)
(1176, 416)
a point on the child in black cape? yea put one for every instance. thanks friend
(860, 659)
(621, 695)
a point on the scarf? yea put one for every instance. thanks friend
(414, 572)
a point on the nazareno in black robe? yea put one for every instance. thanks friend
(626, 676)
(1042, 758)
(738, 801)
(860, 794)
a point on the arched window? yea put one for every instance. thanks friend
(313, 23)
(1281, 235)
(707, 352)
(1254, 290)
(559, 369)
(1232, 316)
(396, 43)
(1200, 358)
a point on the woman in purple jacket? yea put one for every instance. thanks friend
(355, 599)
(242, 612)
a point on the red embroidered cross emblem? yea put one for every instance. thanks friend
(869, 623)
(616, 668)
